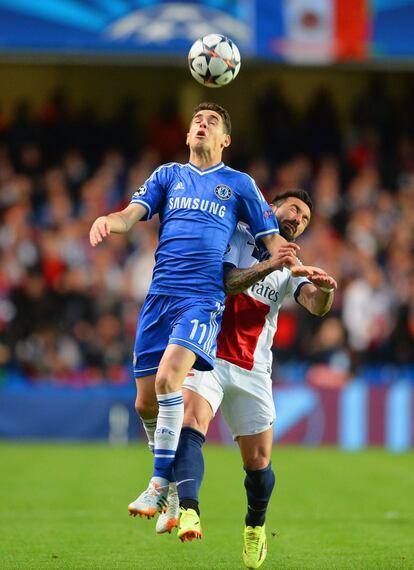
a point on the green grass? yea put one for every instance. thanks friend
(65, 507)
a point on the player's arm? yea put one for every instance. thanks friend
(317, 297)
(237, 280)
(116, 223)
(274, 242)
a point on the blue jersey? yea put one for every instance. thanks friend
(199, 211)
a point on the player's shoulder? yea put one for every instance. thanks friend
(167, 169)
(238, 174)
(245, 183)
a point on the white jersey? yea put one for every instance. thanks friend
(250, 318)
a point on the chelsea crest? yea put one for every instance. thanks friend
(223, 192)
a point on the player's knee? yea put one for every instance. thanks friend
(256, 461)
(166, 383)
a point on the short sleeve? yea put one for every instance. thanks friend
(295, 285)
(152, 193)
(255, 211)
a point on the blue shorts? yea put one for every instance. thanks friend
(192, 322)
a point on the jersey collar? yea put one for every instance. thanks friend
(208, 170)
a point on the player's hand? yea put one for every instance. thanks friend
(285, 256)
(100, 229)
(308, 271)
(325, 281)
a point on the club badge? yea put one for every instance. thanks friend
(223, 192)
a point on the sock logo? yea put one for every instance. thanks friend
(164, 431)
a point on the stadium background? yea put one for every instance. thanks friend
(96, 94)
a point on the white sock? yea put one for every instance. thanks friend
(149, 427)
(167, 434)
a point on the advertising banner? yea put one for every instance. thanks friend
(352, 418)
(121, 26)
(292, 31)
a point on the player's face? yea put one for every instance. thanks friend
(207, 132)
(293, 216)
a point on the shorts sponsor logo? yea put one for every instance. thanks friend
(223, 192)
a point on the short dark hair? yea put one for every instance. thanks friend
(299, 194)
(207, 106)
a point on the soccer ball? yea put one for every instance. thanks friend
(214, 60)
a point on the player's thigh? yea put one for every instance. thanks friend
(175, 364)
(203, 395)
(256, 449)
(153, 331)
(146, 400)
(247, 406)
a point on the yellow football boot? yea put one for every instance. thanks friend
(255, 546)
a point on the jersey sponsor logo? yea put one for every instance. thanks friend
(260, 288)
(183, 203)
(179, 186)
(223, 192)
(142, 190)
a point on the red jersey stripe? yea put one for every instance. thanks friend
(243, 321)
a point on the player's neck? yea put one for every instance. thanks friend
(204, 160)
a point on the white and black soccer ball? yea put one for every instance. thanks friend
(214, 60)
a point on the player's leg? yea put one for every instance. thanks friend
(174, 366)
(151, 340)
(260, 479)
(248, 410)
(192, 342)
(188, 469)
(259, 482)
(189, 463)
(202, 397)
(194, 327)
(146, 406)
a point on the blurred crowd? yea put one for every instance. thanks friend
(68, 312)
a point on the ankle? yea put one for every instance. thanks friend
(190, 504)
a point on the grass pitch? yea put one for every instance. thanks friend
(64, 507)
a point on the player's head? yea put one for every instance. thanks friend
(293, 211)
(210, 129)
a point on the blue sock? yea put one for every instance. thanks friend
(259, 486)
(189, 467)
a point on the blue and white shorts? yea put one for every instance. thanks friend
(193, 322)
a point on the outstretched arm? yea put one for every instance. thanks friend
(116, 223)
(317, 297)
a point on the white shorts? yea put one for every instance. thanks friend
(244, 397)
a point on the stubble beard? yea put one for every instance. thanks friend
(285, 234)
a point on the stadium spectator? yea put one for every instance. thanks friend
(51, 188)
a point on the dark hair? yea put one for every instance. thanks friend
(207, 106)
(299, 194)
